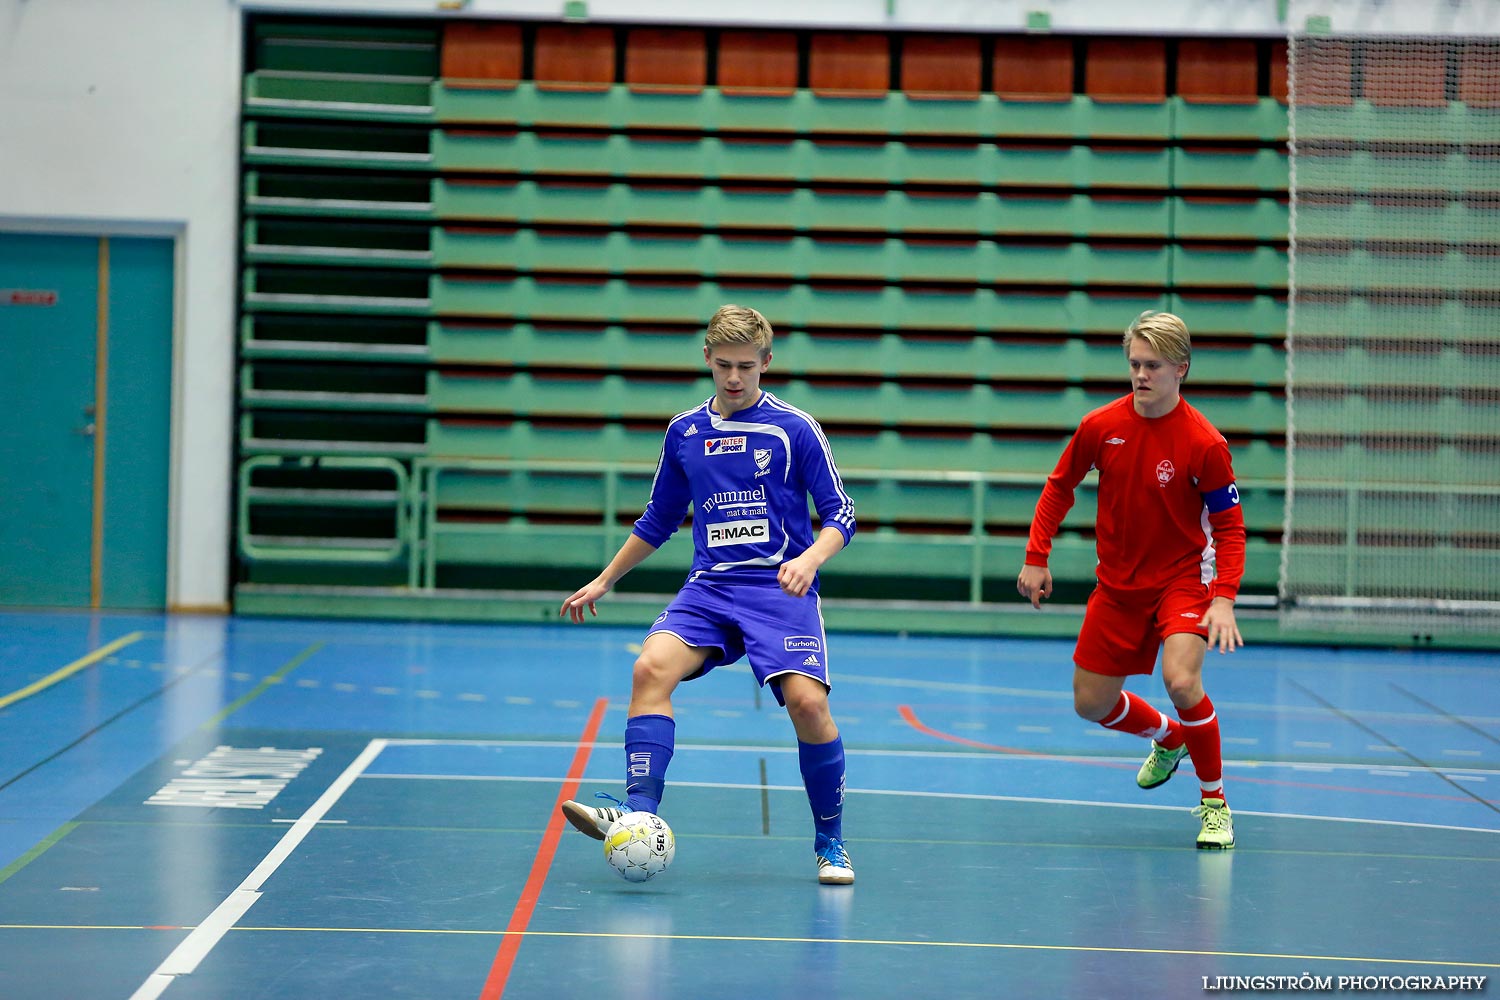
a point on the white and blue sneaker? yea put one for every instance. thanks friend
(834, 866)
(592, 820)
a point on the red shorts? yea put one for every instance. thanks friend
(1122, 633)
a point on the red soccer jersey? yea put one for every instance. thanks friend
(1168, 504)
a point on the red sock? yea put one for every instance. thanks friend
(1135, 716)
(1200, 726)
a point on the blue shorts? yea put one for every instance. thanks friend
(779, 633)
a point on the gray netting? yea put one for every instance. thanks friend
(1393, 339)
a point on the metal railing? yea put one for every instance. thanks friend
(418, 496)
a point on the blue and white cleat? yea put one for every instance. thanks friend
(834, 866)
(594, 820)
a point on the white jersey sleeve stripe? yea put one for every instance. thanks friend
(845, 513)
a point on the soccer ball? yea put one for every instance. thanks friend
(639, 845)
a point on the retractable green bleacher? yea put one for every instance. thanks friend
(470, 300)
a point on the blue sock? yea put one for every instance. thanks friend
(648, 750)
(823, 774)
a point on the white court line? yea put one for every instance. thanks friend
(969, 796)
(196, 946)
(1132, 805)
(991, 755)
(325, 822)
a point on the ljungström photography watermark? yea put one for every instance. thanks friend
(1309, 983)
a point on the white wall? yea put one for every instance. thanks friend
(120, 116)
(1217, 16)
(1212, 17)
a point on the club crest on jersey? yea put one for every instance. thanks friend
(723, 446)
(1165, 471)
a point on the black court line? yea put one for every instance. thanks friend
(1446, 714)
(765, 801)
(118, 715)
(1392, 744)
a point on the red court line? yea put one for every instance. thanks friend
(494, 984)
(922, 727)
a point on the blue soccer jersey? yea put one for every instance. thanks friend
(746, 480)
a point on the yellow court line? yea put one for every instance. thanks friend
(87, 927)
(265, 685)
(750, 939)
(70, 669)
(41, 848)
(1000, 946)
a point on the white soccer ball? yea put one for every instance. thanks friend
(639, 845)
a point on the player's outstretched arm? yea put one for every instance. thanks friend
(1034, 583)
(628, 558)
(1222, 628)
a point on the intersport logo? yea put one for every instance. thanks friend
(724, 446)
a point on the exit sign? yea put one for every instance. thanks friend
(28, 297)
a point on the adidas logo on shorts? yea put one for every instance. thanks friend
(811, 661)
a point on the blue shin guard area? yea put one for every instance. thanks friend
(649, 743)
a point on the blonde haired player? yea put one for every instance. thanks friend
(1171, 547)
(745, 463)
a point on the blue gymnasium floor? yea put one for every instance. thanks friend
(403, 841)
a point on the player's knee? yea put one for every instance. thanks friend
(651, 673)
(1094, 697)
(807, 704)
(1185, 690)
(1090, 705)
